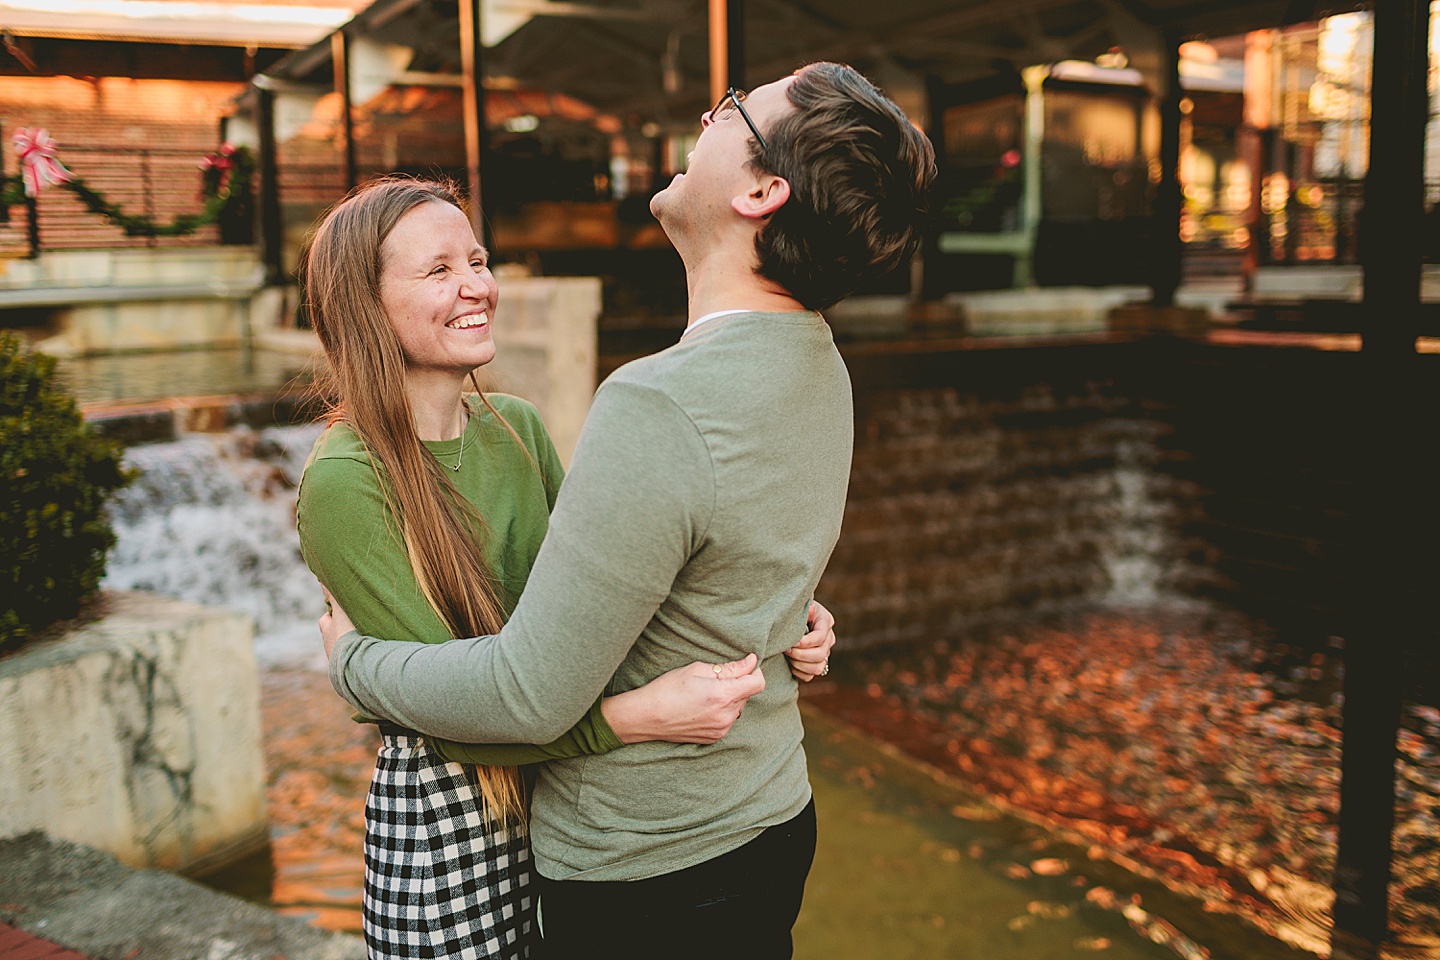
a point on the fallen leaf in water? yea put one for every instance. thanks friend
(974, 811)
(1016, 924)
(1050, 866)
(1091, 943)
(1046, 910)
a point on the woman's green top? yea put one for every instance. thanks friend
(352, 543)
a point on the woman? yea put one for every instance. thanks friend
(421, 511)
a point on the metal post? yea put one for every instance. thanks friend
(1391, 511)
(1031, 202)
(719, 49)
(32, 215)
(340, 56)
(270, 226)
(735, 43)
(1165, 215)
(472, 69)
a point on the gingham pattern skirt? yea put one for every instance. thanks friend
(439, 880)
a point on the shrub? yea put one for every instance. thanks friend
(55, 475)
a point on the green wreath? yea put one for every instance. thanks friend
(225, 184)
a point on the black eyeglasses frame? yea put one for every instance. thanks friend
(736, 96)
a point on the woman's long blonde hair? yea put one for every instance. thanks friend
(442, 532)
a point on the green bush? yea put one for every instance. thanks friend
(55, 475)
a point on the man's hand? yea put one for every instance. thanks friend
(698, 703)
(810, 658)
(334, 624)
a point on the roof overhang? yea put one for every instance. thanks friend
(649, 59)
(172, 21)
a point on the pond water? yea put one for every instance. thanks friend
(135, 377)
(1153, 782)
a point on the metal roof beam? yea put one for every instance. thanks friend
(584, 11)
(957, 21)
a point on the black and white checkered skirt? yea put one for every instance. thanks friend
(439, 880)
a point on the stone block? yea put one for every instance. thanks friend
(546, 346)
(138, 734)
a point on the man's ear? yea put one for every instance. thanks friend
(767, 196)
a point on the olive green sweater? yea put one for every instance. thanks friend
(703, 501)
(351, 543)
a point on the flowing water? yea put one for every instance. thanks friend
(1124, 755)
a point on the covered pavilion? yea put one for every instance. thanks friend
(652, 66)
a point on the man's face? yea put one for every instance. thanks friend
(718, 168)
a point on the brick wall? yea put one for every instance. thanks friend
(102, 128)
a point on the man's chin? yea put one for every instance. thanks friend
(661, 201)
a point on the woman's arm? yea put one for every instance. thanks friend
(354, 550)
(810, 658)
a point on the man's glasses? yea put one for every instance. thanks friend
(733, 99)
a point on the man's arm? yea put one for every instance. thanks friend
(635, 506)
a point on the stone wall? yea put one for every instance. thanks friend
(993, 483)
(108, 301)
(138, 734)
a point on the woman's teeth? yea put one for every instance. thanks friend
(472, 320)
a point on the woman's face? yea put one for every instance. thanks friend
(437, 290)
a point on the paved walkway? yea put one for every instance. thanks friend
(53, 892)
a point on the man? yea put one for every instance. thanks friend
(703, 502)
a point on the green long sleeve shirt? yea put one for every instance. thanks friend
(703, 500)
(350, 541)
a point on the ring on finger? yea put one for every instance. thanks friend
(825, 667)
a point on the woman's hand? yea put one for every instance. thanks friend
(334, 624)
(694, 704)
(810, 658)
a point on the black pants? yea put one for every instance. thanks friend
(741, 904)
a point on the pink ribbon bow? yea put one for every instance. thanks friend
(37, 160)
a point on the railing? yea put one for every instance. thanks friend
(156, 183)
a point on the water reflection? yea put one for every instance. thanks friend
(1183, 739)
(133, 377)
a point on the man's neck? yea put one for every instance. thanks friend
(714, 286)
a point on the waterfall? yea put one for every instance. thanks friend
(211, 519)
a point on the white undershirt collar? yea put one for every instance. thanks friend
(710, 316)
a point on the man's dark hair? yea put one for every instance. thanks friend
(859, 176)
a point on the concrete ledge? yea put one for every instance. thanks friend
(1042, 310)
(66, 296)
(89, 902)
(138, 733)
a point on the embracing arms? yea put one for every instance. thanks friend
(635, 507)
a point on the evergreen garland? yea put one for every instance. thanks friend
(219, 190)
